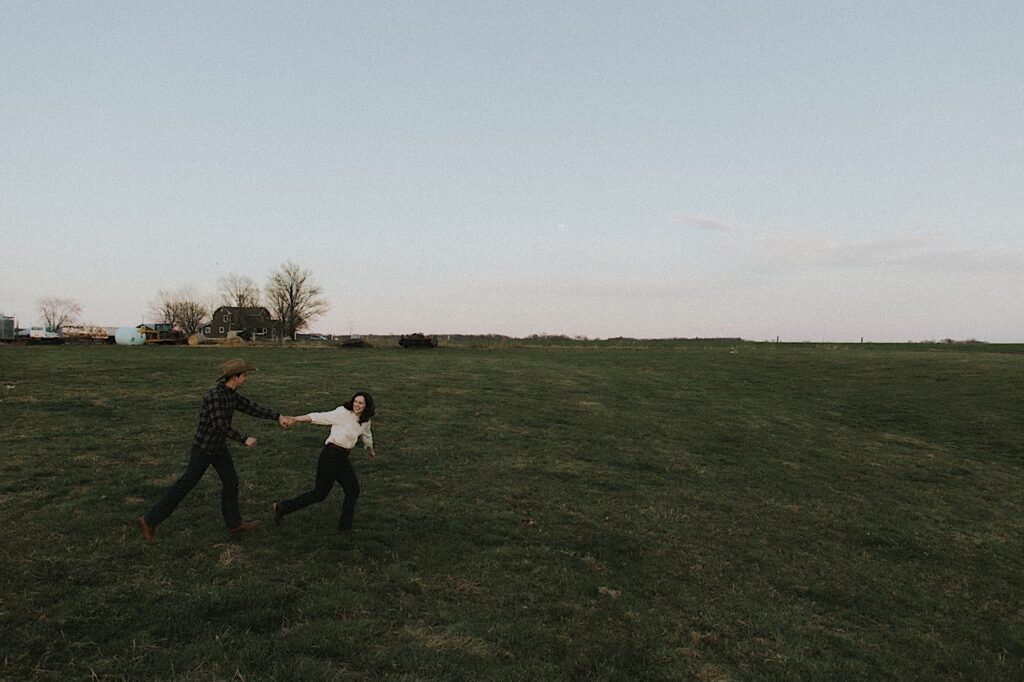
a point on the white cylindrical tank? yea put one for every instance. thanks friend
(129, 336)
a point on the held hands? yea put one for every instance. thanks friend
(286, 422)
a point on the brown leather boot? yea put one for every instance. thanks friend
(244, 527)
(148, 531)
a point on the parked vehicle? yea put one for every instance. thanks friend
(40, 336)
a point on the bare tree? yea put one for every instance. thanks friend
(294, 298)
(240, 291)
(183, 308)
(57, 312)
(161, 309)
(191, 314)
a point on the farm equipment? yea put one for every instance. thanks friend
(351, 342)
(77, 333)
(162, 334)
(417, 341)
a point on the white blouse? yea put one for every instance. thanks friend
(345, 427)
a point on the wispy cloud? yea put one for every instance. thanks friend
(581, 287)
(701, 222)
(838, 253)
(919, 253)
(969, 261)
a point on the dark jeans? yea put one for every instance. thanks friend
(332, 466)
(198, 462)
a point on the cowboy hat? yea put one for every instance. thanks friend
(236, 366)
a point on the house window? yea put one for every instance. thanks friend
(207, 329)
(226, 318)
(221, 330)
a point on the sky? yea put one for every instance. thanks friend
(807, 171)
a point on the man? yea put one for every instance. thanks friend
(210, 448)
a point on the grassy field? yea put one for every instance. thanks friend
(686, 511)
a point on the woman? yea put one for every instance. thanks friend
(348, 422)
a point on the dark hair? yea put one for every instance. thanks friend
(368, 412)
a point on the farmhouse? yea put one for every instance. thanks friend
(248, 323)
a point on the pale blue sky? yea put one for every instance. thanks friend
(807, 170)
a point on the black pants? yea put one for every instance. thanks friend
(198, 462)
(332, 466)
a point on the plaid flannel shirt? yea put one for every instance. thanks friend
(219, 404)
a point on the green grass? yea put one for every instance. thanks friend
(708, 511)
